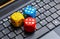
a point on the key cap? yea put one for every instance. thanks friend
(41, 10)
(11, 35)
(59, 18)
(5, 37)
(47, 13)
(42, 16)
(50, 26)
(1, 34)
(5, 19)
(51, 35)
(6, 31)
(6, 24)
(54, 15)
(47, 7)
(18, 37)
(57, 30)
(53, 10)
(46, 1)
(37, 13)
(37, 19)
(58, 12)
(18, 31)
(36, 6)
(41, 4)
(52, 4)
(38, 26)
(43, 22)
(57, 1)
(57, 6)
(37, 0)
(24, 35)
(56, 22)
(33, 3)
(1, 27)
(38, 33)
(1, 22)
(49, 19)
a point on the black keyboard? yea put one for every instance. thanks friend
(47, 19)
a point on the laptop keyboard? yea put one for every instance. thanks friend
(47, 19)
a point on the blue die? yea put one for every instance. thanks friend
(31, 11)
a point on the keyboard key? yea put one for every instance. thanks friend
(37, 0)
(58, 12)
(37, 19)
(54, 15)
(6, 24)
(41, 4)
(49, 19)
(5, 19)
(41, 10)
(47, 13)
(6, 31)
(38, 33)
(5, 37)
(33, 3)
(43, 22)
(57, 6)
(47, 7)
(59, 18)
(52, 4)
(1, 27)
(46, 1)
(1, 34)
(1, 22)
(11, 35)
(37, 13)
(24, 35)
(53, 10)
(50, 26)
(18, 31)
(38, 26)
(56, 22)
(8, 17)
(51, 35)
(36, 6)
(42, 16)
(57, 30)
(18, 37)
(57, 1)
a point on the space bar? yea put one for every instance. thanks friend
(38, 33)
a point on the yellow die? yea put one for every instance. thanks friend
(17, 19)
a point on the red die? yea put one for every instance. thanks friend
(29, 24)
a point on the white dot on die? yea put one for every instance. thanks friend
(32, 22)
(28, 11)
(26, 8)
(32, 9)
(31, 12)
(26, 22)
